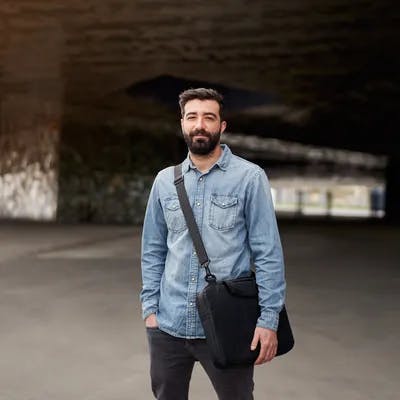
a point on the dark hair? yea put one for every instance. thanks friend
(200, 94)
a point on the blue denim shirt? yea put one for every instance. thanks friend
(233, 207)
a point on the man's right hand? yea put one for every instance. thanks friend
(151, 321)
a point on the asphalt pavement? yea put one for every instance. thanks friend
(70, 324)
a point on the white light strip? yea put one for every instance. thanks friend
(269, 147)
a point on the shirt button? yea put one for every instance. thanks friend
(193, 278)
(198, 204)
(201, 179)
(191, 303)
(194, 253)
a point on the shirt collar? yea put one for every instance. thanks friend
(222, 162)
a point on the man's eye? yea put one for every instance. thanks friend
(190, 117)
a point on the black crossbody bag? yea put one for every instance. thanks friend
(228, 309)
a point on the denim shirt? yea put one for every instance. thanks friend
(233, 208)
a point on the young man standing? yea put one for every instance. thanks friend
(232, 204)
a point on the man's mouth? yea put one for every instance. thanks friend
(199, 135)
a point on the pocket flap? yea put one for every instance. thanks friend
(224, 201)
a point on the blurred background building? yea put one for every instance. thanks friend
(89, 113)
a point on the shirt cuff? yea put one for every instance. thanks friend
(148, 311)
(269, 320)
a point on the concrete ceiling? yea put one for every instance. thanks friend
(333, 61)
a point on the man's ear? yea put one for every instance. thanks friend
(223, 126)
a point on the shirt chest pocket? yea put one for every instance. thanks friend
(223, 211)
(174, 216)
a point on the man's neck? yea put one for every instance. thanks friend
(204, 162)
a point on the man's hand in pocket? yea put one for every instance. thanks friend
(151, 321)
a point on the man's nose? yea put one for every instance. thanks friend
(199, 123)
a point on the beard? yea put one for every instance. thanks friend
(205, 142)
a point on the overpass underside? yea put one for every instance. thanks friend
(75, 140)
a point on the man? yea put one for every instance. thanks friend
(232, 205)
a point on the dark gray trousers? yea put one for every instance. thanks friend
(171, 365)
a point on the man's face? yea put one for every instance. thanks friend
(202, 126)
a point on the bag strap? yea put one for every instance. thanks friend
(191, 222)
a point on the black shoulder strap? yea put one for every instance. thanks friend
(191, 222)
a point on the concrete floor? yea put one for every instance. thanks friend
(70, 324)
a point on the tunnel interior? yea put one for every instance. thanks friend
(87, 111)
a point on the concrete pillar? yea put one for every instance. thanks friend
(392, 209)
(329, 198)
(300, 201)
(30, 111)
